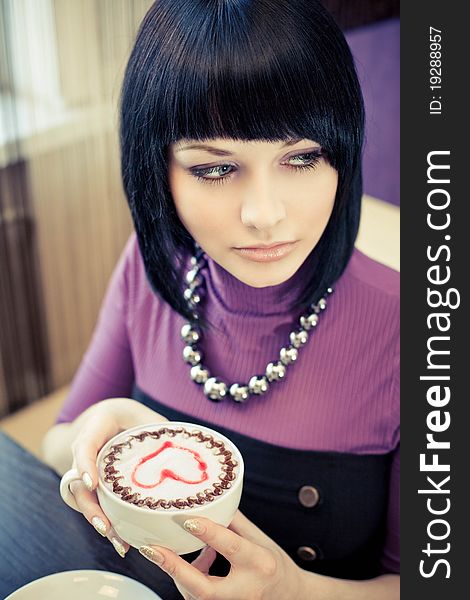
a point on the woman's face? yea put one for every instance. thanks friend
(256, 208)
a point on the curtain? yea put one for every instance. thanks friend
(63, 216)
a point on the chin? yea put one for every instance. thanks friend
(266, 281)
(261, 275)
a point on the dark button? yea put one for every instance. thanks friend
(308, 496)
(306, 553)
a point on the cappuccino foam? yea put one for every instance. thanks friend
(169, 468)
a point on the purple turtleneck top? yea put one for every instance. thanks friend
(342, 393)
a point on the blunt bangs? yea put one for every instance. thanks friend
(268, 70)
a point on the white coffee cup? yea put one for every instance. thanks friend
(141, 526)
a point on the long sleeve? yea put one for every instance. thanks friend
(106, 369)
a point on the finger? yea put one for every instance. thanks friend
(248, 530)
(237, 550)
(89, 506)
(185, 575)
(87, 503)
(205, 559)
(119, 544)
(86, 447)
(203, 563)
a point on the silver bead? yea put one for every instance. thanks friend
(275, 371)
(195, 283)
(258, 385)
(185, 330)
(215, 389)
(191, 275)
(298, 338)
(199, 374)
(288, 355)
(320, 306)
(193, 261)
(329, 290)
(191, 355)
(190, 334)
(191, 296)
(308, 321)
(239, 393)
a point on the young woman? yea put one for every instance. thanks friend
(241, 136)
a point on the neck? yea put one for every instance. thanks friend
(241, 298)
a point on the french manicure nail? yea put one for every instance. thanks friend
(118, 547)
(99, 525)
(194, 526)
(152, 554)
(88, 481)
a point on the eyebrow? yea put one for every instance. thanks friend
(220, 152)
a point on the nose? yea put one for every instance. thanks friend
(262, 207)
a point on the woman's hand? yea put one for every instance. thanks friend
(94, 428)
(260, 569)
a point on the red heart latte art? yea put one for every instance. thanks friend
(180, 468)
(168, 473)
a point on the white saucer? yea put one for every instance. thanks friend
(84, 585)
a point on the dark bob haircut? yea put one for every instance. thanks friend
(266, 70)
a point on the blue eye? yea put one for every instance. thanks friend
(222, 173)
(308, 160)
(216, 174)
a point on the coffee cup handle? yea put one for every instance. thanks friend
(67, 496)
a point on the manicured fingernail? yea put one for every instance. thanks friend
(99, 525)
(88, 481)
(118, 547)
(152, 554)
(194, 526)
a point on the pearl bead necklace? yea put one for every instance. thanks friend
(216, 389)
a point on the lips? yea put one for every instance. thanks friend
(271, 253)
(263, 246)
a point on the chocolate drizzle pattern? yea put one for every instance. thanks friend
(227, 475)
